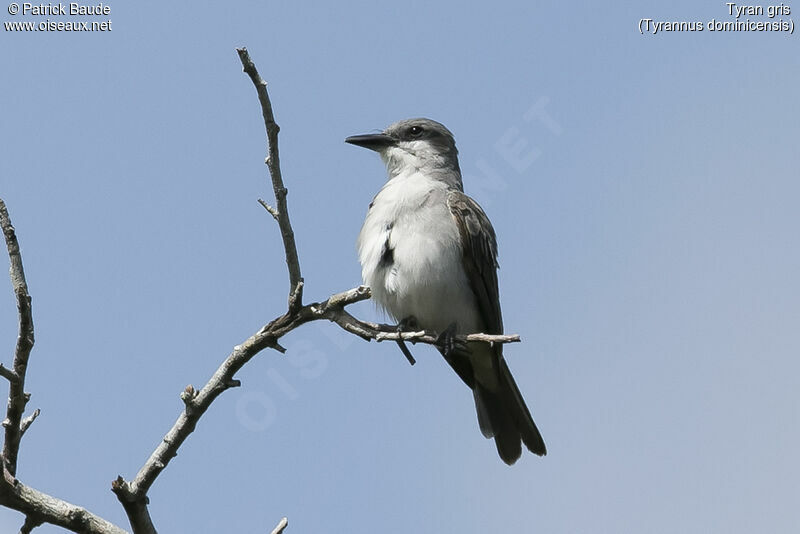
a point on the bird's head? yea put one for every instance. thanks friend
(413, 144)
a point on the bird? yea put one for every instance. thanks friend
(428, 253)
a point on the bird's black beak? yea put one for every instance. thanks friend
(371, 141)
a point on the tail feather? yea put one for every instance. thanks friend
(484, 418)
(498, 422)
(519, 411)
(503, 415)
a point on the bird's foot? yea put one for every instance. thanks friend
(447, 342)
(408, 323)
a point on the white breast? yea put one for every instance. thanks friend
(425, 277)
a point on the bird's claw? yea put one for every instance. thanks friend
(447, 341)
(409, 323)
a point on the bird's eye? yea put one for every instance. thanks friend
(415, 131)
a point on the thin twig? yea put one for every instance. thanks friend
(28, 421)
(8, 374)
(272, 211)
(407, 353)
(282, 524)
(31, 523)
(17, 399)
(274, 165)
(38, 507)
(431, 339)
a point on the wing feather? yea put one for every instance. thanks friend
(502, 412)
(480, 257)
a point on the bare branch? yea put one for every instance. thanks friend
(197, 402)
(17, 399)
(429, 338)
(296, 297)
(28, 421)
(30, 523)
(274, 165)
(272, 211)
(282, 524)
(406, 352)
(8, 374)
(42, 508)
(135, 508)
(38, 507)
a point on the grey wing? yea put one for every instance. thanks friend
(502, 412)
(480, 257)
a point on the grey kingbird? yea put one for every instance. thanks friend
(428, 253)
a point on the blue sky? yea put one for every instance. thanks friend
(644, 189)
